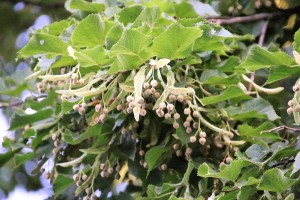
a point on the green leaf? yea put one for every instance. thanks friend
(130, 14)
(282, 153)
(61, 183)
(259, 58)
(64, 61)
(185, 10)
(254, 108)
(246, 192)
(20, 159)
(5, 157)
(15, 91)
(91, 31)
(19, 121)
(228, 65)
(297, 41)
(148, 16)
(91, 57)
(215, 77)
(229, 196)
(82, 5)
(113, 36)
(127, 149)
(160, 192)
(153, 155)
(67, 106)
(230, 172)
(73, 138)
(274, 180)
(296, 165)
(210, 42)
(182, 135)
(166, 6)
(130, 51)
(247, 131)
(176, 42)
(229, 93)
(50, 100)
(41, 43)
(56, 28)
(279, 73)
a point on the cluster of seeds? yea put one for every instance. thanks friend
(218, 141)
(75, 80)
(142, 162)
(227, 160)
(146, 100)
(201, 140)
(179, 152)
(80, 178)
(102, 111)
(106, 170)
(56, 139)
(294, 106)
(49, 84)
(81, 108)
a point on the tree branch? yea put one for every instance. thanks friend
(19, 103)
(251, 18)
(279, 128)
(282, 163)
(37, 3)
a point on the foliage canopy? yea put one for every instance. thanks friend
(155, 95)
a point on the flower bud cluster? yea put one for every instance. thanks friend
(81, 108)
(293, 104)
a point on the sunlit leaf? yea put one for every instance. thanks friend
(260, 58)
(230, 172)
(19, 121)
(41, 43)
(91, 31)
(274, 180)
(130, 51)
(229, 93)
(176, 42)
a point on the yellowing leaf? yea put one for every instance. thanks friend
(93, 91)
(160, 63)
(50, 77)
(179, 90)
(291, 22)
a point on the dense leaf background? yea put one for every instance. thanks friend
(174, 99)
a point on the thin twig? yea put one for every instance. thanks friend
(235, 20)
(279, 128)
(231, 190)
(282, 163)
(263, 31)
(19, 103)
